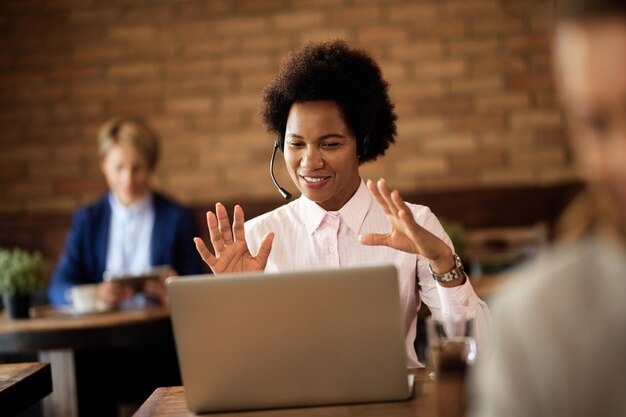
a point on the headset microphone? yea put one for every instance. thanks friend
(286, 194)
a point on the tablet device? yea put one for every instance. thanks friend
(137, 281)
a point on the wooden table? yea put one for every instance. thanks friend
(55, 335)
(22, 385)
(170, 402)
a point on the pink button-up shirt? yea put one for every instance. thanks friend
(308, 237)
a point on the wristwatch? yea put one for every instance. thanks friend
(455, 273)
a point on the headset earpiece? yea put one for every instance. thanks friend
(279, 143)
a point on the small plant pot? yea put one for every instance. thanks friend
(16, 305)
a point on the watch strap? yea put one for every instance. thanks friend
(455, 273)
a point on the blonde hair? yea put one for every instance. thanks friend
(129, 131)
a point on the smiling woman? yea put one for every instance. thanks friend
(330, 110)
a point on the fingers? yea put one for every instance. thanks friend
(206, 255)
(265, 249)
(379, 199)
(374, 239)
(223, 223)
(238, 222)
(214, 233)
(386, 197)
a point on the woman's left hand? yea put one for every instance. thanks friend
(406, 235)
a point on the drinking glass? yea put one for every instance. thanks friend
(451, 345)
(452, 348)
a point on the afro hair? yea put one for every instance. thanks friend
(349, 77)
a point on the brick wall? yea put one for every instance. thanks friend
(471, 81)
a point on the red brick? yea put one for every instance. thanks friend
(97, 53)
(448, 143)
(440, 28)
(474, 47)
(536, 120)
(440, 69)
(29, 188)
(528, 43)
(90, 90)
(78, 185)
(265, 43)
(351, 15)
(203, 9)
(246, 63)
(76, 73)
(240, 25)
(259, 6)
(297, 20)
(470, 7)
(508, 177)
(133, 71)
(189, 105)
(11, 171)
(477, 85)
(91, 17)
(381, 34)
(46, 93)
(443, 106)
(419, 126)
(213, 84)
(502, 102)
(480, 160)
(208, 46)
(189, 67)
(55, 170)
(416, 90)
(499, 65)
(325, 34)
(532, 81)
(417, 50)
(413, 12)
(137, 106)
(497, 25)
(131, 33)
(65, 111)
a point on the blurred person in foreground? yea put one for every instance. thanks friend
(131, 229)
(560, 328)
(330, 110)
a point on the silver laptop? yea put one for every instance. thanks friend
(257, 341)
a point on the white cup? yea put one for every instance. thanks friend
(84, 298)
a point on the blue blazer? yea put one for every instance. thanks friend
(84, 257)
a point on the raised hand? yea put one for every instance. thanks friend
(406, 235)
(230, 247)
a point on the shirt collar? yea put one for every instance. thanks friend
(353, 212)
(129, 212)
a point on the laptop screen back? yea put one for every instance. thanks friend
(254, 341)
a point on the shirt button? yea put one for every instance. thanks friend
(332, 249)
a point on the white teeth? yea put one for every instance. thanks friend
(311, 179)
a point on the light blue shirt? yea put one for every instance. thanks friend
(130, 237)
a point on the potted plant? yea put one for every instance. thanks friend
(21, 275)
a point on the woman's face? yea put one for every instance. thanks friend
(321, 154)
(126, 173)
(592, 76)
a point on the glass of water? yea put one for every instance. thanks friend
(451, 345)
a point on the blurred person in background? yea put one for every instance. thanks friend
(131, 229)
(560, 328)
(330, 110)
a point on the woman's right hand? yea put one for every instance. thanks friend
(230, 247)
